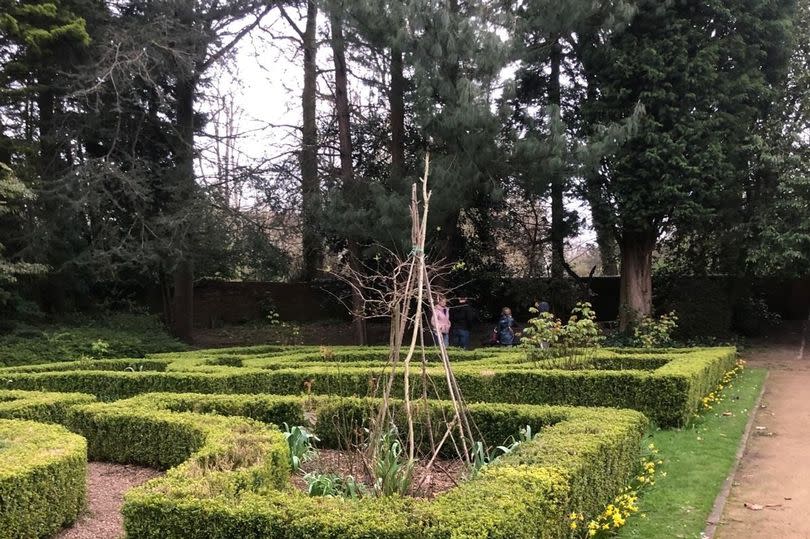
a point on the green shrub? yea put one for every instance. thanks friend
(273, 409)
(42, 478)
(666, 385)
(39, 406)
(229, 475)
(116, 335)
(655, 333)
(578, 463)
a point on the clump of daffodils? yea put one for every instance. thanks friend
(624, 505)
(714, 397)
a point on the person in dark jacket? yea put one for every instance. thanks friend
(462, 321)
(542, 306)
(506, 328)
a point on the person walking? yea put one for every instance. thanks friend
(441, 321)
(506, 328)
(463, 319)
(542, 306)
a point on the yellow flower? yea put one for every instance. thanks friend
(573, 525)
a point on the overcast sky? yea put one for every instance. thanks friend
(266, 81)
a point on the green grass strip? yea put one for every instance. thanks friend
(697, 460)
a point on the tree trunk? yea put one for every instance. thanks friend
(396, 99)
(608, 248)
(601, 220)
(310, 184)
(557, 181)
(346, 164)
(635, 292)
(602, 213)
(48, 149)
(183, 299)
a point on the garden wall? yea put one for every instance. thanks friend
(706, 305)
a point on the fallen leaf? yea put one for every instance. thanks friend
(788, 498)
(727, 413)
(760, 428)
(753, 506)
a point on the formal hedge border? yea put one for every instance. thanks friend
(40, 406)
(579, 461)
(229, 476)
(667, 386)
(42, 478)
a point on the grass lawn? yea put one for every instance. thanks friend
(697, 459)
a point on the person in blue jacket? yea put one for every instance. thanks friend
(506, 328)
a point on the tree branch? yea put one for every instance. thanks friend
(291, 22)
(242, 33)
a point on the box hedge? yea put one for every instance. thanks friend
(40, 406)
(229, 476)
(578, 462)
(667, 385)
(42, 478)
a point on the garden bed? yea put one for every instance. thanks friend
(665, 385)
(230, 476)
(444, 474)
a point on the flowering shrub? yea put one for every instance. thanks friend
(652, 333)
(547, 338)
(623, 505)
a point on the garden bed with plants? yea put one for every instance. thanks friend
(231, 476)
(296, 442)
(667, 385)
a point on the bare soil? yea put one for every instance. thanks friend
(444, 475)
(770, 495)
(106, 485)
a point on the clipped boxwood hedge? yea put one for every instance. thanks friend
(42, 478)
(188, 443)
(39, 406)
(666, 385)
(578, 462)
(229, 476)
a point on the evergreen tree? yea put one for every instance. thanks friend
(12, 192)
(687, 153)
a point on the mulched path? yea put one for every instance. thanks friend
(771, 490)
(445, 474)
(106, 485)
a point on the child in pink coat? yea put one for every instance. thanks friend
(441, 321)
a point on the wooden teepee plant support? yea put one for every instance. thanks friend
(410, 302)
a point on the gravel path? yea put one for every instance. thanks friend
(106, 485)
(771, 490)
